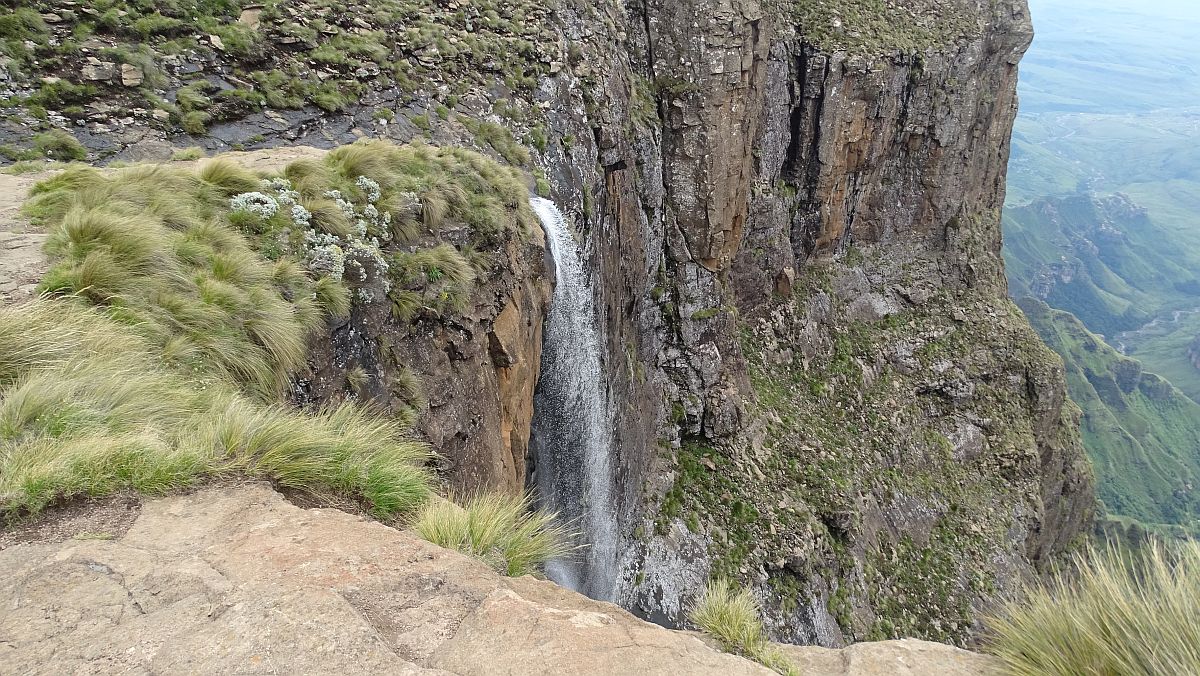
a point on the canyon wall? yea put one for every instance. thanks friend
(797, 232)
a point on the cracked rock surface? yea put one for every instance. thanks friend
(22, 263)
(235, 579)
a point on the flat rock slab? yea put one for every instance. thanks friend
(238, 580)
(22, 262)
(906, 657)
(235, 579)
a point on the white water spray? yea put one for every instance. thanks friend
(572, 425)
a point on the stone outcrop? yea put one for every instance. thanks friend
(236, 580)
(468, 377)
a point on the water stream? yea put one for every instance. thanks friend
(572, 423)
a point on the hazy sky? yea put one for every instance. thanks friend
(1112, 56)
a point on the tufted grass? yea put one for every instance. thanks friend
(1115, 614)
(731, 616)
(88, 408)
(171, 325)
(154, 245)
(500, 530)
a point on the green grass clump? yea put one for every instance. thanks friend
(1112, 616)
(153, 244)
(876, 27)
(732, 617)
(23, 23)
(187, 154)
(500, 530)
(500, 139)
(57, 144)
(88, 406)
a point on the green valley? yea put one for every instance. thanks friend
(1102, 236)
(1140, 430)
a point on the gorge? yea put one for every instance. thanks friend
(755, 324)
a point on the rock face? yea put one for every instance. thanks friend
(234, 580)
(849, 414)
(469, 378)
(791, 212)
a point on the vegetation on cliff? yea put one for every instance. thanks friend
(895, 413)
(186, 66)
(876, 27)
(180, 305)
(731, 616)
(1111, 614)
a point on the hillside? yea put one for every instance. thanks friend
(1141, 432)
(1102, 221)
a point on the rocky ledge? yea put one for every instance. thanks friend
(236, 579)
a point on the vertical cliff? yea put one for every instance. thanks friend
(794, 212)
(790, 214)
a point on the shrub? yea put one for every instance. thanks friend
(187, 154)
(1114, 615)
(500, 139)
(23, 23)
(732, 617)
(155, 24)
(500, 530)
(59, 93)
(195, 122)
(60, 145)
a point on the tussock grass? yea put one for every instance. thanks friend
(154, 245)
(177, 309)
(450, 184)
(87, 408)
(1115, 614)
(498, 529)
(188, 154)
(732, 617)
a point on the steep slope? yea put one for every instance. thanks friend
(873, 181)
(1141, 432)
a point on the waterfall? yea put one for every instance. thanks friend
(572, 425)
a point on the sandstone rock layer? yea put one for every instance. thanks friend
(238, 580)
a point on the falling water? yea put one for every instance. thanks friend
(572, 426)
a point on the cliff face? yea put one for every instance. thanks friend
(466, 378)
(791, 212)
(800, 228)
